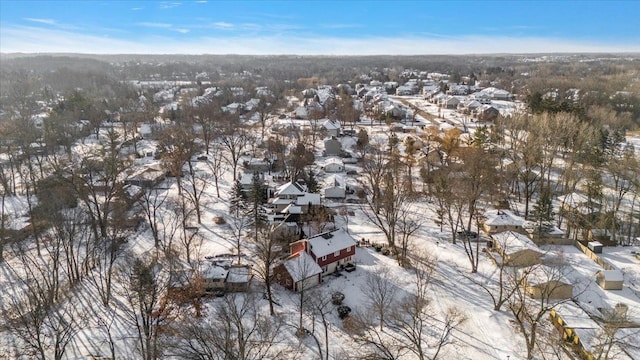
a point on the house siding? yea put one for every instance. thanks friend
(346, 255)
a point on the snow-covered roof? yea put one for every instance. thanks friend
(331, 124)
(301, 266)
(512, 242)
(612, 275)
(502, 218)
(333, 160)
(542, 274)
(239, 274)
(290, 188)
(214, 271)
(330, 242)
(334, 181)
(308, 198)
(292, 209)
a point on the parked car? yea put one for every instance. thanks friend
(469, 234)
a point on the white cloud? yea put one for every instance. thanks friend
(137, 8)
(32, 39)
(42, 21)
(169, 5)
(181, 31)
(155, 25)
(222, 25)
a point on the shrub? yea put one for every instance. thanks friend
(219, 220)
(343, 311)
(337, 297)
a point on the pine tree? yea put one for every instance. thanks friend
(256, 197)
(238, 199)
(312, 183)
(543, 209)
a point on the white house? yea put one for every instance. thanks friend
(502, 220)
(294, 196)
(334, 187)
(333, 165)
(332, 127)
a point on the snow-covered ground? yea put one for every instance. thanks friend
(486, 334)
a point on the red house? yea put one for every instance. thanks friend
(315, 257)
(330, 250)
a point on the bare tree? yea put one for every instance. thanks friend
(414, 322)
(529, 312)
(319, 304)
(216, 166)
(239, 331)
(380, 289)
(151, 202)
(143, 284)
(385, 199)
(234, 143)
(268, 249)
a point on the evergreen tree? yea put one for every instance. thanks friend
(543, 209)
(256, 197)
(238, 199)
(312, 183)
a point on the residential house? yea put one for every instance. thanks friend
(395, 111)
(332, 147)
(334, 187)
(580, 203)
(332, 250)
(333, 165)
(214, 275)
(496, 94)
(298, 272)
(482, 98)
(516, 249)
(406, 90)
(238, 278)
(610, 279)
(332, 127)
(502, 220)
(148, 177)
(470, 106)
(449, 102)
(221, 274)
(487, 113)
(545, 282)
(293, 197)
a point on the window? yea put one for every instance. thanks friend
(324, 258)
(349, 249)
(337, 253)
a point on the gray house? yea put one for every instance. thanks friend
(332, 146)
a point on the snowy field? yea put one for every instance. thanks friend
(486, 334)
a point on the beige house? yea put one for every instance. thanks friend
(610, 279)
(516, 249)
(502, 220)
(544, 282)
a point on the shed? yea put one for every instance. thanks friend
(610, 279)
(595, 246)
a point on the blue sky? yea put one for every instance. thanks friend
(319, 27)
